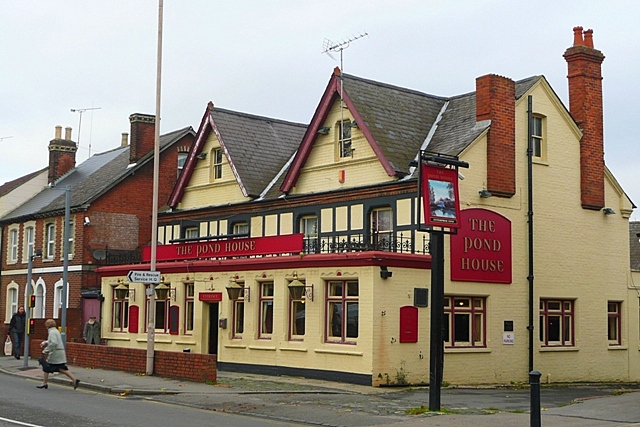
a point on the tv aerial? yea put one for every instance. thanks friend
(329, 46)
(80, 111)
(5, 137)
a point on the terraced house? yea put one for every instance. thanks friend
(291, 249)
(109, 206)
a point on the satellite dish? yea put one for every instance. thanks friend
(100, 254)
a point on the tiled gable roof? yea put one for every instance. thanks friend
(634, 245)
(87, 181)
(258, 147)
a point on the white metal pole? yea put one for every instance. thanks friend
(154, 202)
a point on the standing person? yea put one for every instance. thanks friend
(16, 330)
(57, 357)
(92, 331)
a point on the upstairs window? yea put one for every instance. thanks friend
(216, 164)
(182, 159)
(29, 238)
(13, 245)
(538, 139)
(382, 228)
(49, 241)
(241, 228)
(344, 139)
(191, 233)
(309, 226)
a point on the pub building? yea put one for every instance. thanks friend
(302, 250)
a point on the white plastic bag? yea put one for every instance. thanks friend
(8, 346)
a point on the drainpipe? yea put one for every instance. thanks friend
(530, 220)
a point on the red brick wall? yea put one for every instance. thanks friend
(183, 366)
(495, 101)
(584, 64)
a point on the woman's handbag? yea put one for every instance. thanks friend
(8, 346)
(46, 367)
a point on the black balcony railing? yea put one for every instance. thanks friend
(361, 243)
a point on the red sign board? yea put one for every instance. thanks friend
(210, 296)
(481, 251)
(289, 243)
(440, 196)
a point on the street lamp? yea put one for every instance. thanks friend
(32, 256)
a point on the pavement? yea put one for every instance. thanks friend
(325, 403)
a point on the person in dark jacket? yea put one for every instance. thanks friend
(16, 330)
(92, 331)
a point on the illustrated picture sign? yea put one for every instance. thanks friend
(481, 250)
(440, 196)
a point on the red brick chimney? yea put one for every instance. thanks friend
(62, 154)
(496, 101)
(585, 104)
(143, 133)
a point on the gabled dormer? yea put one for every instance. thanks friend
(236, 156)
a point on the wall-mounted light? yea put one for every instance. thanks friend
(485, 193)
(638, 236)
(87, 221)
(297, 289)
(608, 211)
(384, 272)
(235, 291)
(121, 291)
(324, 130)
(202, 156)
(163, 292)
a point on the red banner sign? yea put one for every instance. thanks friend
(210, 296)
(289, 243)
(440, 196)
(481, 251)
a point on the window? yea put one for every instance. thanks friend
(344, 141)
(538, 141)
(381, 228)
(238, 314)
(241, 228)
(12, 301)
(189, 306)
(216, 164)
(29, 238)
(162, 313)
(266, 309)
(298, 315)
(614, 322)
(342, 311)
(309, 226)
(556, 323)
(191, 233)
(120, 313)
(13, 245)
(464, 321)
(182, 159)
(57, 298)
(41, 294)
(71, 238)
(50, 240)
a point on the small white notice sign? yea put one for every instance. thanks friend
(508, 338)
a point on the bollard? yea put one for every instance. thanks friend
(534, 383)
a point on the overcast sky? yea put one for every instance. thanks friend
(264, 58)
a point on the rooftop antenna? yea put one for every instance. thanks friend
(329, 47)
(5, 137)
(82, 110)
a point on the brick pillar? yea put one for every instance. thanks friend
(585, 104)
(495, 101)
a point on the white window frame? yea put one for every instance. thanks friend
(216, 164)
(49, 241)
(13, 245)
(539, 145)
(345, 139)
(241, 228)
(380, 230)
(309, 226)
(12, 303)
(182, 159)
(57, 298)
(29, 240)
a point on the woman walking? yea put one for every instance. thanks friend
(57, 357)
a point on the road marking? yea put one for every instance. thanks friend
(20, 423)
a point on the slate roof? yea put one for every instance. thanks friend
(634, 245)
(87, 181)
(258, 147)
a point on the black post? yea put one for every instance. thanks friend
(534, 383)
(436, 360)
